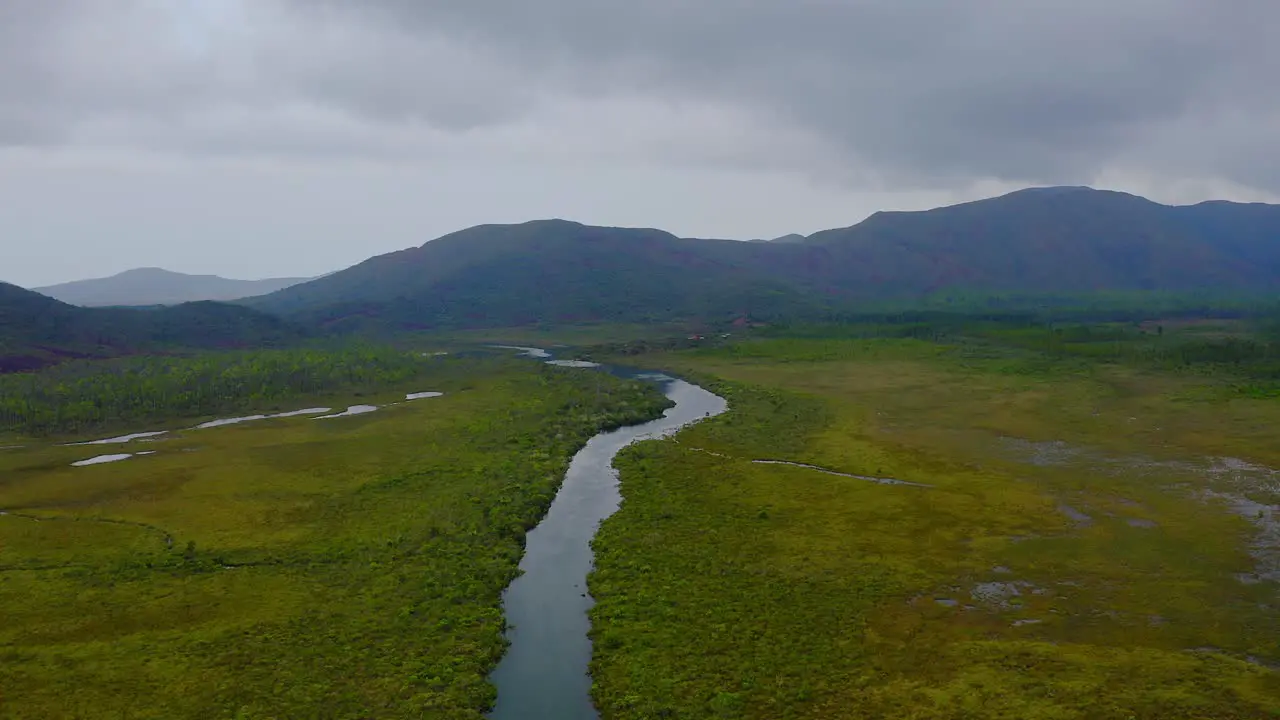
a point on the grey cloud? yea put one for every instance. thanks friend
(285, 137)
(25, 74)
(65, 62)
(392, 74)
(113, 71)
(928, 93)
(932, 89)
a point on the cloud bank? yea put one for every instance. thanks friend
(855, 101)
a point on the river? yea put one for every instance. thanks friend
(544, 672)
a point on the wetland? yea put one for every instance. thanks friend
(823, 523)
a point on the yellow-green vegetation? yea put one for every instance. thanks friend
(1097, 541)
(546, 336)
(292, 568)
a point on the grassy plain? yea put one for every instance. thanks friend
(547, 336)
(1082, 551)
(343, 568)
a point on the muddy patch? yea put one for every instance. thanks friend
(1265, 547)
(1043, 454)
(1079, 519)
(1251, 659)
(1000, 595)
(1248, 489)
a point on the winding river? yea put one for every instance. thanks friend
(544, 672)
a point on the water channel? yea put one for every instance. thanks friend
(544, 672)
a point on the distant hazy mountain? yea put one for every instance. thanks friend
(154, 286)
(1037, 241)
(792, 238)
(36, 330)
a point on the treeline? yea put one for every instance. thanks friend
(1243, 345)
(1100, 306)
(954, 307)
(83, 395)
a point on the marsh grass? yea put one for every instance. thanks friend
(1065, 562)
(346, 568)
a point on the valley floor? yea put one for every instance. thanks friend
(1078, 541)
(876, 528)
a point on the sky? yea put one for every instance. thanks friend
(260, 138)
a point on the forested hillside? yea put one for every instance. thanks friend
(1033, 243)
(1055, 240)
(549, 270)
(78, 396)
(1046, 246)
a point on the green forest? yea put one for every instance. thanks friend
(79, 396)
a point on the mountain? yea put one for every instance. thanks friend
(1035, 241)
(36, 330)
(495, 275)
(1062, 240)
(154, 286)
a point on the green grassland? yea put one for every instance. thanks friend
(344, 568)
(1081, 551)
(566, 334)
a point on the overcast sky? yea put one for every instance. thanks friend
(255, 138)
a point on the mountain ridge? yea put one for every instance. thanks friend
(1050, 240)
(1037, 242)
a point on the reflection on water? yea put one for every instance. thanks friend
(353, 410)
(532, 352)
(102, 459)
(121, 439)
(250, 418)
